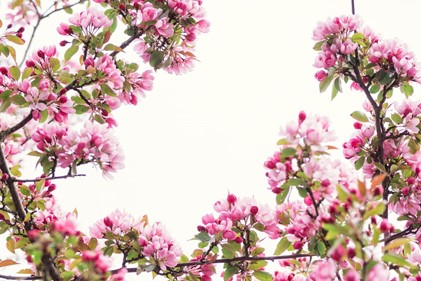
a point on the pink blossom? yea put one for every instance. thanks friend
(149, 12)
(320, 75)
(378, 273)
(113, 75)
(90, 20)
(352, 275)
(66, 225)
(164, 28)
(118, 222)
(325, 271)
(157, 244)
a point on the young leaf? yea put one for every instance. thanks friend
(359, 116)
(230, 272)
(15, 72)
(156, 59)
(70, 52)
(262, 276)
(324, 84)
(15, 39)
(282, 246)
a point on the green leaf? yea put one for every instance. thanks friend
(18, 100)
(396, 243)
(202, 236)
(15, 39)
(396, 118)
(255, 265)
(324, 84)
(70, 52)
(280, 197)
(230, 272)
(112, 47)
(375, 88)
(383, 77)
(302, 192)
(359, 116)
(318, 45)
(406, 89)
(227, 251)
(263, 276)
(282, 246)
(80, 109)
(397, 260)
(27, 72)
(377, 210)
(12, 52)
(359, 163)
(321, 248)
(24, 190)
(156, 59)
(337, 87)
(15, 72)
(107, 90)
(288, 152)
(55, 64)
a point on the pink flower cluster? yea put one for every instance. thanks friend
(157, 244)
(100, 263)
(180, 31)
(307, 138)
(311, 130)
(384, 53)
(118, 223)
(245, 211)
(339, 29)
(113, 75)
(53, 219)
(90, 21)
(341, 36)
(300, 222)
(95, 143)
(357, 143)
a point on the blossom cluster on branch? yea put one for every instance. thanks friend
(334, 218)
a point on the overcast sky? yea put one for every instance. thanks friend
(199, 136)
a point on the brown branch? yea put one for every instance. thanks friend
(10, 277)
(126, 43)
(185, 264)
(11, 186)
(49, 178)
(20, 125)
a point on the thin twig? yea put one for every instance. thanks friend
(49, 178)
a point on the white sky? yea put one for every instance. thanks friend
(197, 136)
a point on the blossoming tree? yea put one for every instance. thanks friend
(350, 218)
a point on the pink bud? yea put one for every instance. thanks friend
(41, 54)
(384, 226)
(357, 125)
(337, 253)
(298, 245)
(108, 222)
(254, 210)
(410, 180)
(301, 116)
(3, 70)
(62, 99)
(231, 198)
(33, 234)
(30, 63)
(239, 240)
(276, 190)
